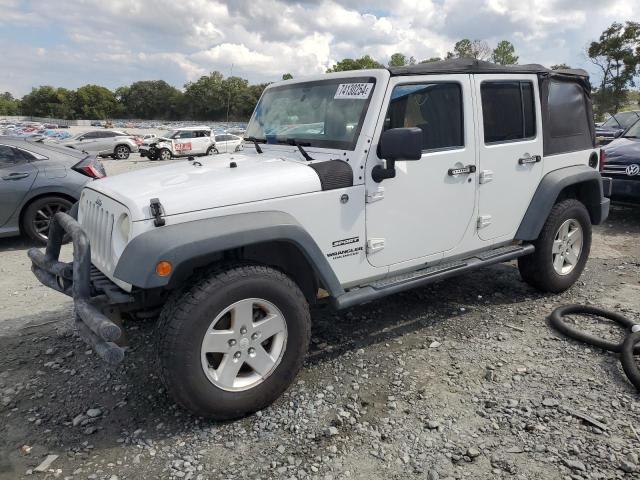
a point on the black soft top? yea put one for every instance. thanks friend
(470, 65)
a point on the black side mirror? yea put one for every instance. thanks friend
(397, 144)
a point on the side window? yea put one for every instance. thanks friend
(10, 156)
(185, 134)
(508, 110)
(219, 138)
(91, 135)
(435, 108)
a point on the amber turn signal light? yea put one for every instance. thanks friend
(164, 268)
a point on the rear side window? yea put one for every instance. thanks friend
(185, 134)
(508, 111)
(10, 156)
(567, 110)
(435, 108)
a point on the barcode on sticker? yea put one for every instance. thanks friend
(353, 90)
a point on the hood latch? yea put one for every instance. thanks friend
(156, 211)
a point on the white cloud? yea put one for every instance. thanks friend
(120, 41)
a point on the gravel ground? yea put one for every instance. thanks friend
(462, 379)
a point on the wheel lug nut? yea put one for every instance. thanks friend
(254, 336)
(252, 351)
(232, 342)
(237, 355)
(243, 330)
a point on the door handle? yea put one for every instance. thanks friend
(465, 170)
(15, 176)
(530, 159)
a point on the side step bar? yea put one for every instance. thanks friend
(425, 276)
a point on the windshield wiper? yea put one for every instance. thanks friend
(630, 136)
(295, 143)
(256, 141)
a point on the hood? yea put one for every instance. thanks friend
(623, 150)
(185, 187)
(609, 132)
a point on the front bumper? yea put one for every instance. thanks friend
(77, 280)
(626, 189)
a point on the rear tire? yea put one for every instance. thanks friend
(38, 215)
(211, 345)
(212, 151)
(562, 249)
(121, 152)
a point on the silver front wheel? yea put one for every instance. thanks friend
(244, 344)
(567, 247)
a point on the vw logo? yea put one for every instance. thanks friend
(633, 169)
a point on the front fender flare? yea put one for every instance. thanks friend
(193, 243)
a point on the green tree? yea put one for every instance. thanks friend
(431, 60)
(9, 105)
(95, 102)
(560, 66)
(287, 76)
(400, 60)
(206, 98)
(151, 99)
(465, 48)
(357, 64)
(47, 101)
(504, 53)
(617, 54)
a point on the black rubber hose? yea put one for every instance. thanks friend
(559, 324)
(631, 344)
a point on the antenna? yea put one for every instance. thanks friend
(229, 96)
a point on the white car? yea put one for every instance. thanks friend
(227, 143)
(180, 142)
(352, 186)
(113, 143)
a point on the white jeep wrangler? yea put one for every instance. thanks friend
(356, 185)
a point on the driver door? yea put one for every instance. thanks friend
(16, 178)
(426, 209)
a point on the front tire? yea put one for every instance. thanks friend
(562, 249)
(164, 154)
(212, 151)
(38, 216)
(233, 343)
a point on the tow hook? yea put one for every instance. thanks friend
(156, 211)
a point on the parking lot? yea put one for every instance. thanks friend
(461, 379)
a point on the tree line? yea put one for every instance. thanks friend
(616, 54)
(211, 97)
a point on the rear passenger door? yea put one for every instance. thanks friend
(510, 150)
(17, 175)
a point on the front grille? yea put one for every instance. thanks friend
(98, 225)
(613, 169)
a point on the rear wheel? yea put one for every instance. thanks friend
(38, 216)
(212, 151)
(233, 343)
(562, 249)
(121, 152)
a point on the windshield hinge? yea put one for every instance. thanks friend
(375, 195)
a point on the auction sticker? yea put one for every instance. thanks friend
(183, 146)
(353, 90)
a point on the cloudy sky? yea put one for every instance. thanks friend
(116, 42)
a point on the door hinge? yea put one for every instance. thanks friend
(375, 195)
(484, 221)
(485, 176)
(375, 245)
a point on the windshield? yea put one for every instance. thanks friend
(325, 113)
(621, 120)
(633, 132)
